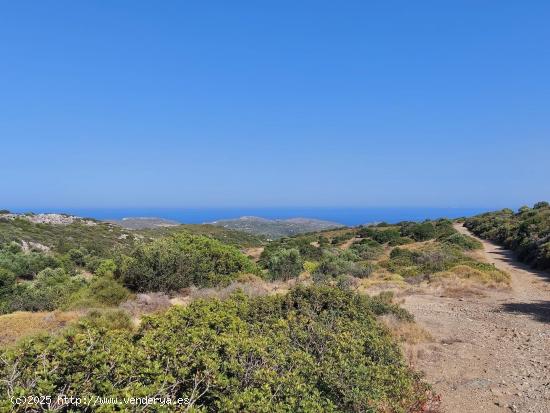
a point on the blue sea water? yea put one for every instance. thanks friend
(347, 216)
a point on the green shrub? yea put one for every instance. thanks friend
(420, 232)
(367, 249)
(444, 228)
(435, 259)
(463, 241)
(310, 266)
(400, 241)
(333, 265)
(105, 268)
(429, 260)
(182, 260)
(49, 291)
(360, 270)
(285, 264)
(105, 320)
(7, 287)
(78, 255)
(527, 232)
(302, 243)
(383, 304)
(316, 349)
(340, 239)
(382, 236)
(26, 265)
(102, 291)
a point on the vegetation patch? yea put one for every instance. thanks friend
(180, 261)
(434, 261)
(314, 349)
(20, 325)
(527, 232)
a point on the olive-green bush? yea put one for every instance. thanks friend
(50, 290)
(463, 241)
(527, 232)
(285, 264)
(182, 260)
(316, 349)
(367, 249)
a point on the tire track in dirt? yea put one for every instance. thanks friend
(489, 353)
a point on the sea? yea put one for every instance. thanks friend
(350, 216)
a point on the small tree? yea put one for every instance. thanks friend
(285, 264)
(106, 268)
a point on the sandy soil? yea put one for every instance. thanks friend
(254, 253)
(490, 352)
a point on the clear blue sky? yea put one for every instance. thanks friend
(271, 103)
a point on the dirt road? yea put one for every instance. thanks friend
(490, 352)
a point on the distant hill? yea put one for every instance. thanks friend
(63, 232)
(276, 228)
(144, 222)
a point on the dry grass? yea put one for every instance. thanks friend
(335, 233)
(405, 331)
(146, 304)
(415, 246)
(22, 324)
(251, 285)
(490, 278)
(254, 253)
(349, 243)
(381, 277)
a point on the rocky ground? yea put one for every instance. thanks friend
(490, 350)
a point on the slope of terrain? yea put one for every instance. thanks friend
(144, 222)
(491, 349)
(527, 232)
(481, 335)
(277, 228)
(61, 233)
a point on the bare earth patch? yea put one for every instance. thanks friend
(491, 347)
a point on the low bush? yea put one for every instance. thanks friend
(26, 264)
(310, 266)
(463, 241)
(105, 268)
(425, 261)
(304, 245)
(527, 232)
(381, 236)
(285, 264)
(367, 249)
(314, 349)
(484, 273)
(419, 231)
(340, 239)
(102, 291)
(182, 260)
(49, 291)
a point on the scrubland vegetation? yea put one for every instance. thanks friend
(408, 252)
(314, 349)
(526, 231)
(308, 340)
(182, 260)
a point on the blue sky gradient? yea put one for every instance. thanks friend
(287, 103)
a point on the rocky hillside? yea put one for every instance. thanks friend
(144, 222)
(61, 232)
(278, 228)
